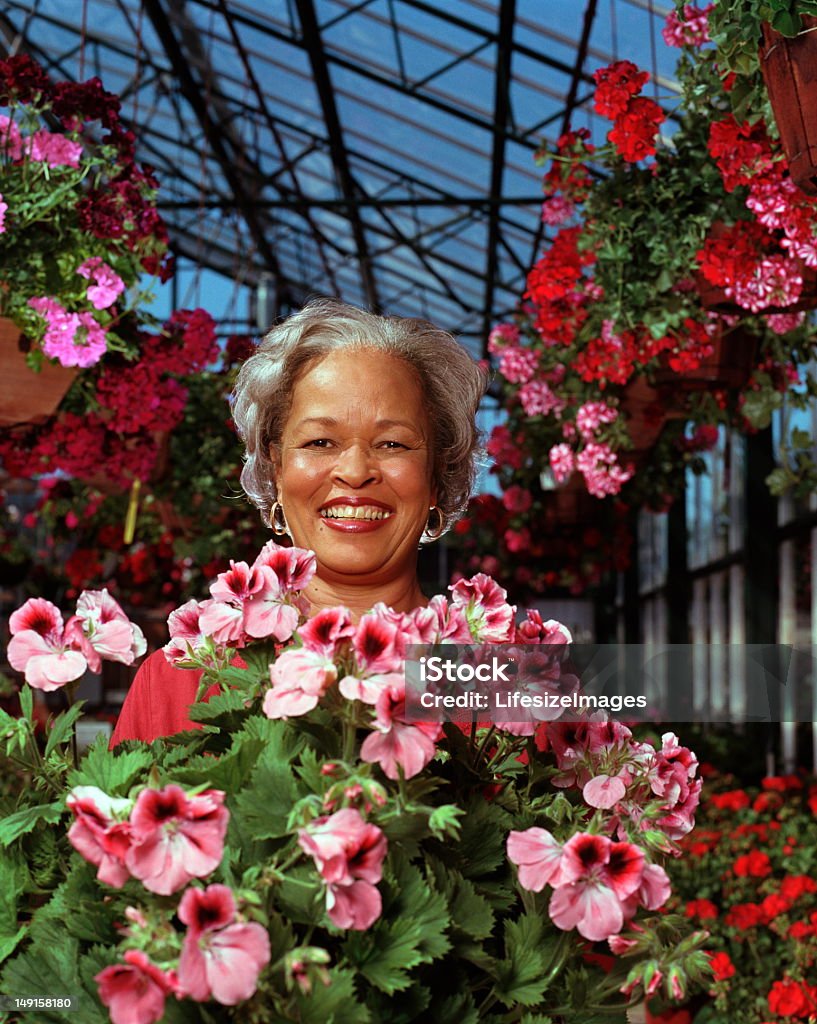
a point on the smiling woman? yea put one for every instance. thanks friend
(361, 444)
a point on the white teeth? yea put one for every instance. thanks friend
(354, 512)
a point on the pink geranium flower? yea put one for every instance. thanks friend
(325, 632)
(398, 744)
(3, 210)
(603, 791)
(135, 992)
(293, 567)
(345, 848)
(186, 634)
(484, 602)
(108, 285)
(596, 875)
(268, 612)
(377, 643)
(74, 339)
(299, 680)
(176, 837)
(537, 855)
(101, 833)
(356, 906)
(103, 631)
(38, 647)
(221, 959)
(54, 149)
(223, 617)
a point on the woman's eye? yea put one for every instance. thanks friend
(318, 442)
(392, 445)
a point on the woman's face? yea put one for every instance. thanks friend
(355, 466)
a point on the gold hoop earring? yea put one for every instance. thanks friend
(437, 532)
(279, 526)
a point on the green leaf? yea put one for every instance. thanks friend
(17, 824)
(470, 912)
(62, 727)
(113, 773)
(227, 710)
(523, 976)
(265, 802)
(459, 1007)
(335, 1003)
(26, 702)
(13, 880)
(51, 968)
(444, 821)
(386, 953)
(228, 771)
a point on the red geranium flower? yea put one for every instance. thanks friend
(722, 966)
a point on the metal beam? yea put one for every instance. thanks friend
(273, 127)
(570, 104)
(323, 83)
(195, 96)
(502, 109)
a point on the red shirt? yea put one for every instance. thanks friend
(158, 701)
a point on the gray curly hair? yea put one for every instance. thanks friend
(452, 384)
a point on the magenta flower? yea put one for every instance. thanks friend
(107, 287)
(38, 647)
(176, 837)
(135, 992)
(3, 208)
(54, 149)
(75, 339)
(299, 680)
(398, 744)
(221, 959)
(537, 855)
(489, 615)
(101, 833)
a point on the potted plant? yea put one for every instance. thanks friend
(613, 308)
(349, 861)
(79, 228)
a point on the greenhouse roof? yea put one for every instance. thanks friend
(380, 150)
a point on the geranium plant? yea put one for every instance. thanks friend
(313, 853)
(79, 225)
(613, 321)
(749, 876)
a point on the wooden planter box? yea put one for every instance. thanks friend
(790, 71)
(25, 396)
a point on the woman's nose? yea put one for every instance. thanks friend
(355, 465)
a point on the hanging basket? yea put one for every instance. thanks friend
(729, 366)
(789, 68)
(25, 396)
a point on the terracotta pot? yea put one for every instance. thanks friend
(789, 68)
(729, 366)
(27, 397)
(647, 410)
